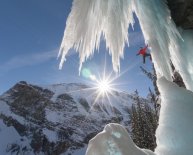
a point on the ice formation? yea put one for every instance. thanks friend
(114, 140)
(91, 19)
(182, 57)
(174, 133)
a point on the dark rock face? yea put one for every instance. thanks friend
(182, 12)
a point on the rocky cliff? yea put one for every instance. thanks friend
(57, 119)
(182, 12)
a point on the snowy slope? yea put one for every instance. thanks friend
(56, 119)
(117, 100)
(10, 136)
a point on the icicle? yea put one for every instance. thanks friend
(182, 57)
(91, 19)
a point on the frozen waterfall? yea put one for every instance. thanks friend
(91, 19)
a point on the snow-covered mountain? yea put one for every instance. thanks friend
(56, 119)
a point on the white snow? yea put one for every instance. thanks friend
(53, 116)
(8, 136)
(114, 140)
(5, 109)
(51, 135)
(76, 152)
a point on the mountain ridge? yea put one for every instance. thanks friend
(56, 119)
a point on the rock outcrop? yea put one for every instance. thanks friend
(182, 12)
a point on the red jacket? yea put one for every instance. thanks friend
(142, 51)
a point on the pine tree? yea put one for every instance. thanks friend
(152, 76)
(145, 115)
(144, 120)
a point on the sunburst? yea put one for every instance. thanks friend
(104, 86)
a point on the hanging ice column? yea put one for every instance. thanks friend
(89, 19)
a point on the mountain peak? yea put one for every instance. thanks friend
(60, 116)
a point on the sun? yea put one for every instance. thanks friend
(104, 86)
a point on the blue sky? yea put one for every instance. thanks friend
(30, 36)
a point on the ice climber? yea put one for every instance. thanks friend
(143, 52)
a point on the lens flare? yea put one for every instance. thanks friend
(86, 73)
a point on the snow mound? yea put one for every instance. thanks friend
(114, 140)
